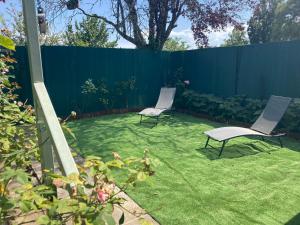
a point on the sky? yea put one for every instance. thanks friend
(183, 31)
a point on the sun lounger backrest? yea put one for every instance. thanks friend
(166, 98)
(272, 114)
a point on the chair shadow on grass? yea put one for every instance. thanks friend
(294, 221)
(152, 122)
(232, 151)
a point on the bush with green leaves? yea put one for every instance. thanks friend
(110, 96)
(237, 108)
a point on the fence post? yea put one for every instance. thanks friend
(36, 74)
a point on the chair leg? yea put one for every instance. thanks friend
(141, 119)
(207, 142)
(280, 142)
(222, 148)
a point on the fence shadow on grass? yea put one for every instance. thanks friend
(294, 221)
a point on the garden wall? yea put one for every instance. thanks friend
(67, 68)
(256, 70)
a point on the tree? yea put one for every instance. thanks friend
(16, 30)
(148, 23)
(175, 44)
(260, 24)
(275, 20)
(90, 32)
(236, 37)
(286, 24)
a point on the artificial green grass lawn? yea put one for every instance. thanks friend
(253, 182)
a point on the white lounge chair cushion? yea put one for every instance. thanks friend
(151, 112)
(225, 133)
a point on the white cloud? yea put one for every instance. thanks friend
(215, 38)
(122, 43)
(186, 35)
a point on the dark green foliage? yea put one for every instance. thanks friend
(275, 20)
(110, 96)
(237, 108)
(291, 120)
(260, 24)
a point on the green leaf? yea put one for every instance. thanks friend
(108, 219)
(7, 43)
(43, 220)
(145, 222)
(141, 176)
(115, 163)
(25, 206)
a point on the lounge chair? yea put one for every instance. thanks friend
(164, 103)
(263, 126)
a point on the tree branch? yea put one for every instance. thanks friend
(114, 25)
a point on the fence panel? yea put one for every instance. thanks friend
(256, 70)
(211, 70)
(67, 68)
(270, 69)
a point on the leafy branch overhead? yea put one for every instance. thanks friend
(149, 23)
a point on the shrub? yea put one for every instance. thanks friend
(110, 96)
(237, 108)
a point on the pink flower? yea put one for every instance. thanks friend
(187, 82)
(102, 196)
(58, 182)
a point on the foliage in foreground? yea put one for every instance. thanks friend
(93, 193)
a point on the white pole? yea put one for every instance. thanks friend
(36, 73)
(50, 134)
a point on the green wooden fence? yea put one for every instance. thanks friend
(67, 68)
(256, 70)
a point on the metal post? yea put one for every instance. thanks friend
(36, 74)
(280, 142)
(207, 142)
(222, 148)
